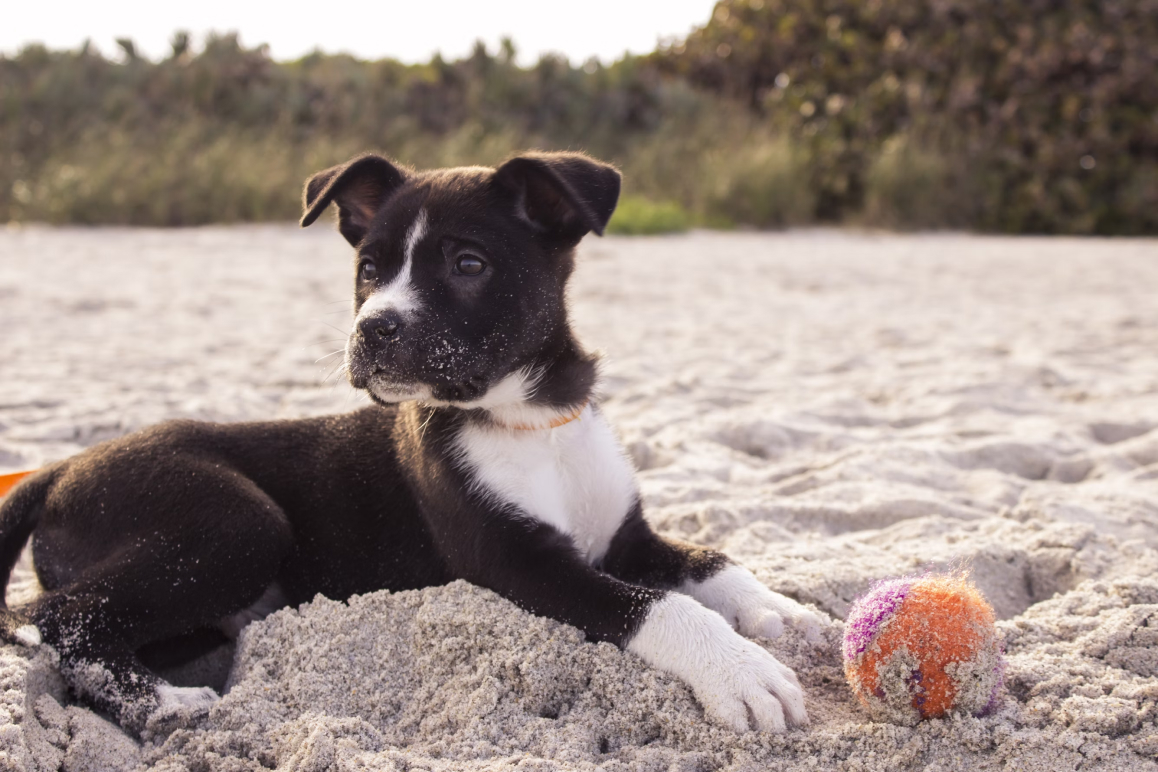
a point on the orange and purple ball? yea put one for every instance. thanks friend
(922, 647)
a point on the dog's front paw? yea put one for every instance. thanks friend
(733, 678)
(750, 607)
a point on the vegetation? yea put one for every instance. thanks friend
(1028, 116)
(1039, 116)
(638, 216)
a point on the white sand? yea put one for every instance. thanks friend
(827, 408)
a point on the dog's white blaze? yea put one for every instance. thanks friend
(413, 236)
(575, 477)
(750, 607)
(729, 674)
(399, 295)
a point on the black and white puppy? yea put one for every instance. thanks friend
(484, 458)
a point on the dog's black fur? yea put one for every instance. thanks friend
(150, 537)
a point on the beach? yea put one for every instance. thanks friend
(829, 408)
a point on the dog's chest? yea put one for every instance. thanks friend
(574, 477)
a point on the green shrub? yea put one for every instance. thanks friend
(638, 216)
(910, 188)
(765, 184)
(1046, 109)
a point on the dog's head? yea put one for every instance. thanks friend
(460, 274)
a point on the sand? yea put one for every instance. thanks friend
(828, 408)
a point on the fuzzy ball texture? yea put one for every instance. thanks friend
(917, 648)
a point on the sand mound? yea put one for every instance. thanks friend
(829, 409)
(458, 678)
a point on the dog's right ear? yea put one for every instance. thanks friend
(358, 187)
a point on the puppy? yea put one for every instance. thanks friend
(484, 457)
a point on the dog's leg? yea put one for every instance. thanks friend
(97, 624)
(639, 555)
(162, 583)
(96, 660)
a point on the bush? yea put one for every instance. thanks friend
(637, 216)
(765, 184)
(910, 188)
(1051, 108)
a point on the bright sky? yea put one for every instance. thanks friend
(410, 30)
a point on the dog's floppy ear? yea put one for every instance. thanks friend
(565, 194)
(358, 187)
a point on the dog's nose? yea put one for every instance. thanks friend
(379, 328)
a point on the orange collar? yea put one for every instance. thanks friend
(555, 424)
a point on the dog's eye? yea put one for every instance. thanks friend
(470, 265)
(367, 271)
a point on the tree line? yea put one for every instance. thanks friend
(1036, 116)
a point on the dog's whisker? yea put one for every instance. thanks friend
(341, 368)
(422, 429)
(327, 356)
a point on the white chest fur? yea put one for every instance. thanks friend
(574, 477)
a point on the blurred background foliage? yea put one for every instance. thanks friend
(1037, 116)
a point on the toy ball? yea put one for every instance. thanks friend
(922, 647)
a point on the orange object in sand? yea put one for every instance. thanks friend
(8, 481)
(919, 648)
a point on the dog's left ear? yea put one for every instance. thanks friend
(564, 194)
(359, 187)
